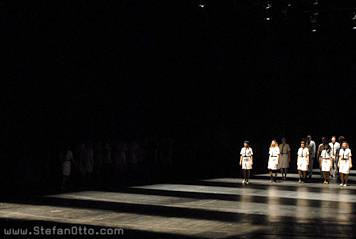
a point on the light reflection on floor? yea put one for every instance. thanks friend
(285, 209)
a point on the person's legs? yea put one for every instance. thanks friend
(271, 173)
(275, 176)
(327, 177)
(342, 179)
(346, 178)
(248, 174)
(64, 179)
(285, 173)
(300, 175)
(324, 174)
(304, 176)
(244, 172)
(282, 171)
(310, 167)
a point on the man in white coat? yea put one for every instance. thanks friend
(312, 152)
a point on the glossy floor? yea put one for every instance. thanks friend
(213, 208)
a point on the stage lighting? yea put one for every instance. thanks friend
(353, 16)
(202, 5)
(315, 2)
(268, 5)
(267, 19)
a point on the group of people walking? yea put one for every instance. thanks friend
(334, 159)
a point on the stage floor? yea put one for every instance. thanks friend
(213, 208)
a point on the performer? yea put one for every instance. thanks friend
(345, 163)
(284, 158)
(320, 149)
(335, 147)
(312, 151)
(273, 160)
(66, 157)
(246, 161)
(303, 161)
(326, 162)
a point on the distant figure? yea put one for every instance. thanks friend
(107, 167)
(335, 147)
(133, 161)
(320, 149)
(312, 152)
(303, 161)
(345, 163)
(66, 157)
(246, 161)
(273, 160)
(326, 162)
(88, 161)
(98, 161)
(81, 155)
(284, 158)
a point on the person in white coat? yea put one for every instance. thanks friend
(326, 162)
(312, 153)
(335, 147)
(273, 160)
(303, 162)
(345, 163)
(246, 161)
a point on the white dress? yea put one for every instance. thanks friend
(246, 154)
(303, 160)
(273, 159)
(326, 155)
(66, 165)
(345, 155)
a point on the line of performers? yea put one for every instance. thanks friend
(332, 156)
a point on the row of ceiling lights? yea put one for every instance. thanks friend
(313, 17)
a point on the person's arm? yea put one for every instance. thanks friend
(277, 159)
(289, 156)
(338, 163)
(240, 159)
(298, 158)
(332, 161)
(350, 162)
(251, 159)
(318, 154)
(308, 159)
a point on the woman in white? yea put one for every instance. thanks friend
(303, 161)
(345, 163)
(284, 158)
(246, 161)
(273, 160)
(66, 157)
(326, 162)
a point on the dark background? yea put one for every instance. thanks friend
(207, 77)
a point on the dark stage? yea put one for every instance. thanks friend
(212, 208)
(162, 95)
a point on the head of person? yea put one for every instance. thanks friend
(284, 140)
(333, 139)
(326, 146)
(309, 137)
(344, 144)
(302, 144)
(323, 140)
(246, 143)
(274, 143)
(341, 139)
